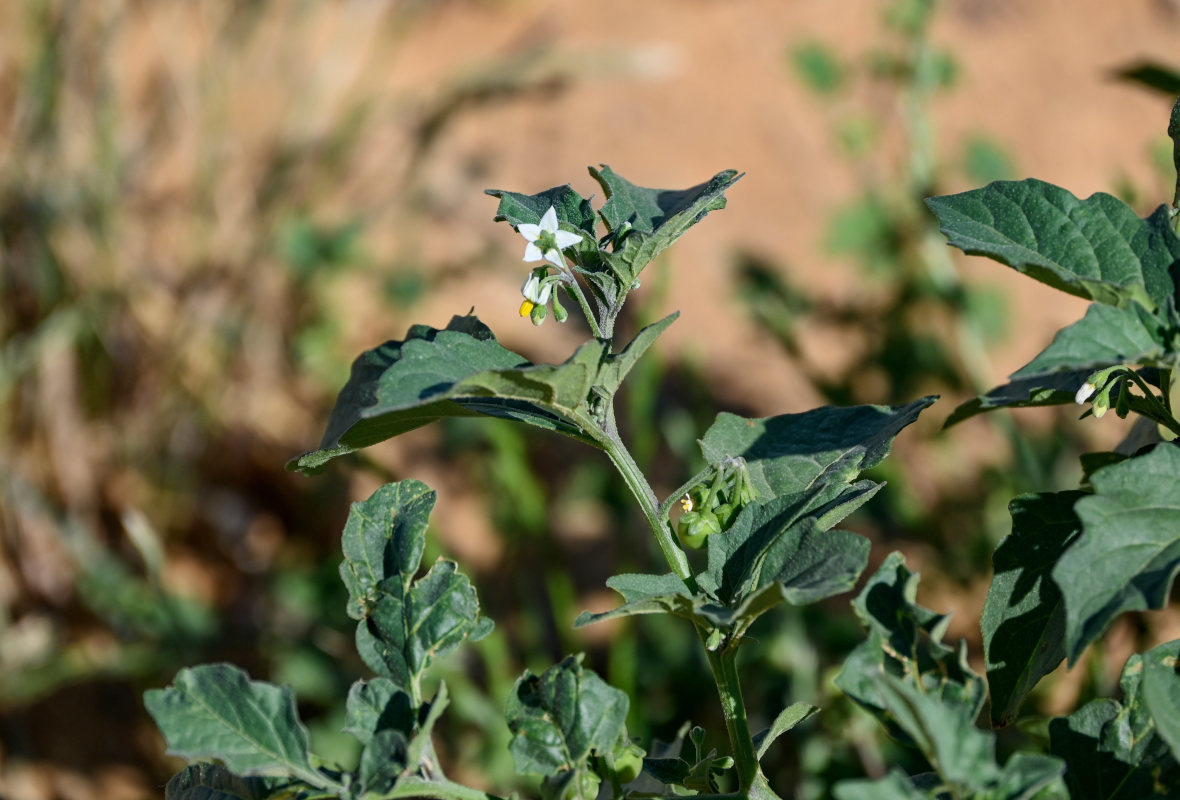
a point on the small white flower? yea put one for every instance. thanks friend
(546, 240)
(1087, 389)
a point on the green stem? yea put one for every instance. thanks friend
(723, 664)
(642, 490)
(576, 290)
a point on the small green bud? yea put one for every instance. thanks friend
(559, 312)
(537, 314)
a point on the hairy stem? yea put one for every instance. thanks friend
(723, 664)
(642, 490)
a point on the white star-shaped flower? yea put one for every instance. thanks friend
(546, 240)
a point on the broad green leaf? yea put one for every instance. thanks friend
(657, 217)
(1161, 692)
(1024, 616)
(206, 781)
(1129, 550)
(1096, 248)
(788, 718)
(615, 370)
(1052, 389)
(787, 541)
(1112, 749)
(559, 718)
(1107, 335)
(403, 622)
(794, 452)
(376, 705)
(384, 536)
(905, 642)
(216, 711)
(458, 371)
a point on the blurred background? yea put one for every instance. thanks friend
(208, 209)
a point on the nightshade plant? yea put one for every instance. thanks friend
(762, 512)
(761, 518)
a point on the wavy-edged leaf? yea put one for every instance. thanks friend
(1129, 550)
(206, 781)
(1113, 750)
(216, 711)
(384, 536)
(905, 642)
(1051, 389)
(458, 371)
(559, 718)
(658, 217)
(791, 453)
(1097, 248)
(403, 622)
(1161, 692)
(1024, 617)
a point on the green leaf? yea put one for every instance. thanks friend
(1152, 74)
(1161, 692)
(791, 453)
(403, 623)
(1052, 389)
(558, 719)
(1129, 550)
(1107, 335)
(408, 631)
(616, 367)
(1112, 750)
(214, 782)
(646, 594)
(384, 536)
(1096, 248)
(943, 730)
(788, 718)
(787, 541)
(905, 642)
(381, 763)
(1024, 616)
(571, 208)
(458, 371)
(657, 217)
(378, 705)
(216, 711)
